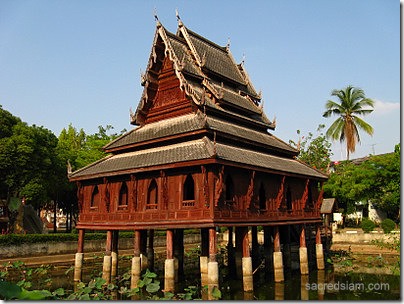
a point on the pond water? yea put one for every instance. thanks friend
(318, 285)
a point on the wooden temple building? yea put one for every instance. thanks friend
(201, 156)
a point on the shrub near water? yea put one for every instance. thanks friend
(388, 225)
(367, 225)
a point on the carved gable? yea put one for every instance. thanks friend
(170, 100)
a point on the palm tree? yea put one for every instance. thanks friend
(352, 102)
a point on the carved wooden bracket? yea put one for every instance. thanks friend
(250, 190)
(280, 195)
(205, 186)
(219, 186)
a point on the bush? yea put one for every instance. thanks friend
(388, 225)
(367, 225)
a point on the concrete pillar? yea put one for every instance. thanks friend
(136, 261)
(213, 278)
(114, 255)
(213, 267)
(277, 257)
(203, 260)
(169, 275)
(107, 263)
(246, 262)
(169, 266)
(304, 263)
(248, 282)
(78, 265)
(135, 272)
(319, 250)
(79, 257)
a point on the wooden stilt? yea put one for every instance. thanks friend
(213, 267)
(246, 262)
(319, 250)
(78, 261)
(231, 263)
(136, 261)
(169, 267)
(304, 265)
(114, 255)
(106, 265)
(277, 256)
(204, 258)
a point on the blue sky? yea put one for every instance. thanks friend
(79, 62)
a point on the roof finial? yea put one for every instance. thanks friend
(243, 59)
(156, 18)
(178, 17)
(228, 44)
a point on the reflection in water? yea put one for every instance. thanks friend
(323, 284)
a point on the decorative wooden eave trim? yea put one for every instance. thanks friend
(184, 32)
(247, 79)
(206, 83)
(236, 65)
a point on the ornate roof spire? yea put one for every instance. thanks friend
(156, 18)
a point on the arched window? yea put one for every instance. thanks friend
(288, 199)
(188, 195)
(123, 197)
(262, 198)
(152, 195)
(229, 190)
(95, 198)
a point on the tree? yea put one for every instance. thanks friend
(352, 102)
(315, 152)
(375, 180)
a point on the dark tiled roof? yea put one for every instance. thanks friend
(181, 51)
(189, 151)
(217, 58)
(281, 164)
(114, 165)
(194, 122)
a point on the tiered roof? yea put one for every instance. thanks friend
(227, 123)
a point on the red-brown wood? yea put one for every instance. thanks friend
(80, 246)
(302, 236)
(246, 244)
(212, 244)
(170, 244)
(277, 239)
(136, 245)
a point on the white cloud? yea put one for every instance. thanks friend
(382, 107)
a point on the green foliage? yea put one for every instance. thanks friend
(17, 239)
(367, 225)
(315, 152)
(387, 225)
(376, 180)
